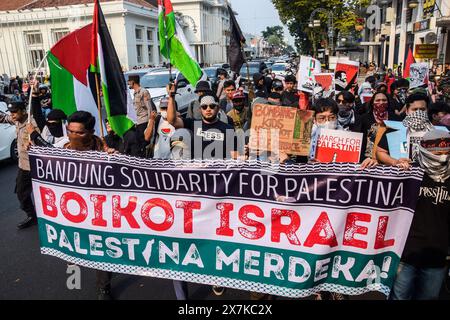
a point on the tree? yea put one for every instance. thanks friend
(296, 15)
(273, 31)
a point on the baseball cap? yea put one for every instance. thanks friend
(17, 106)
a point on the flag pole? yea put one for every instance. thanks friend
(99, 105)
(167, 43)
(32, 86)
(251, 93)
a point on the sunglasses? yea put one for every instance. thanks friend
(211, 106)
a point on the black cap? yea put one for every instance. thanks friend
(17, 106)
(221, 71)
(202, 86)
(257, 77)
(134, 77)
(56, 115)
(277, 84)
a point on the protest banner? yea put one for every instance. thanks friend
(272, 128)
(304, 122)
(289, 231)
(338, 146)
(306, 71)
(324, 84)
(418, 75)
(346, 74)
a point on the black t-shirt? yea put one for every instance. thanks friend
(211, 137)
(428, 239)
(290, 98)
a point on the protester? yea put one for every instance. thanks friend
(226, 104)
(143, 107)
(290, 96)
(53, 133)
(159, 132)
(202, 88)
(211, 136)
(437, 112)
(239, 113)
(416, 122)
(45, 99)
(347, 117)
(260, 88)
(19, 118)
(389, 79)
(399, 91)
(223, 75)
(422, 267)
(372, 123)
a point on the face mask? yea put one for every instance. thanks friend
(402, 95)
(164, 114)
(418, 121)
(380, 111)
(328, 125)
(436, 166)
(55, 129)
(80, 143)
(345, 111)
(239, 107)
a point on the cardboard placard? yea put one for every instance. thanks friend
(302, 134)
(338, 146)
(272, 128)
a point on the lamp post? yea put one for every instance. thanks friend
(412, 4)
(330, 25)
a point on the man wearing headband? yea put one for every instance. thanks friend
(422, 268)
(211, 136)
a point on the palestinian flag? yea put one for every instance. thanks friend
(409, 61)
(73, 86)
(104, 60)
(174, 45)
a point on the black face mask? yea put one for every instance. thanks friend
(55, 129)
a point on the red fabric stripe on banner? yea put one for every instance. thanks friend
(74, 52)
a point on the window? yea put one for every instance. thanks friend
(150, 54)
(399, 12)
(149, 34)
(34, 38)
(36, 57)
(139, 53)
(409, 14)
(59, 34)
(139, 33)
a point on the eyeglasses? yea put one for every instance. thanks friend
(324, 118)
(211, 106)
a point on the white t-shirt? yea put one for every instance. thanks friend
(162, 146)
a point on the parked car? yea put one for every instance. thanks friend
(155, 82)
(279, 69)
(254, 67)
(8, 142)
(141, 72)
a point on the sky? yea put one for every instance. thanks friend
(255, 15)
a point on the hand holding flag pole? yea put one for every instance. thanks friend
(32, 85)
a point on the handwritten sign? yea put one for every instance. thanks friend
(272, 128)
(302, 134)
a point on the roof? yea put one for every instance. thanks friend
(36, 4)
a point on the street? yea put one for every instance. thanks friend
(27, 274)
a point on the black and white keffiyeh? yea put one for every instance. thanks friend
(418, 121)
(437, 167)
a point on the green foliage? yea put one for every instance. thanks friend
(296, 15)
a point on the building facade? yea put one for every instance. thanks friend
(28, 29)
(206, 24)
(404, 24)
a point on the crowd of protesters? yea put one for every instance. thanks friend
(163, 133)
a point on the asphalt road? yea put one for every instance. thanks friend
(27, 274)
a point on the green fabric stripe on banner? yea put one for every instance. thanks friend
(63, 96)
(251, 263)
(119, 123)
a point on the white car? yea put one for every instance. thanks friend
(279, 69)
(156, 82)
(8, 143)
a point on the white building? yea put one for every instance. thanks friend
(405, 24)
(206, 24)
(28, 29)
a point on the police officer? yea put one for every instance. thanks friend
(19, 118)
(143, 107)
